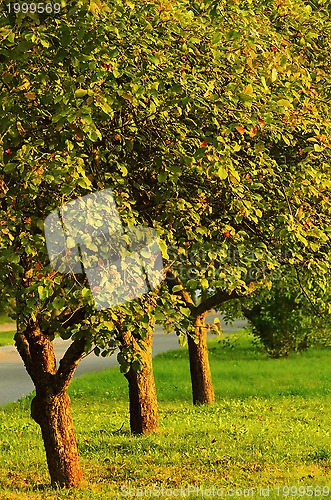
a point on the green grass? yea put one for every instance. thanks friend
(7, 338)
(270, 426)
(5, 319)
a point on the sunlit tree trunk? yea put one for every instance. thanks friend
(51, 406)
(202, 386)
(144, 415)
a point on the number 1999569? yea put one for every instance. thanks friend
(33, 8)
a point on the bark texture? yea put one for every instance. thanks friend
(51, 406)
(53, 415)
(144, 415)
(202, 386)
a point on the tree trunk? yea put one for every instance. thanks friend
(51, 406)
(202, 386)
(53, 415)
(144, 415)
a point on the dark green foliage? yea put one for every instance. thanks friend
(284, 320)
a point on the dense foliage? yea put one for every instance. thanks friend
(285, 320)
(209, 121)
(211, 125)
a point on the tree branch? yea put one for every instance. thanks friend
(250, 313)
(74, 318)
(172, 281)
(22, 346)
(215, 300)
(127, 340)
(37, 352)
(68, 364)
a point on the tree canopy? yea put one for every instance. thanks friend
(209, 121)
(204, 120)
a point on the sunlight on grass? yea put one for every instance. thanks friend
(7, 338)
(270, 426)
(5, 319)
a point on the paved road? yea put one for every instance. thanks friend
(15, 382)
(7, 327)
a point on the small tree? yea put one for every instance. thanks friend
(286, 320)
(266, 157)
(132, 327)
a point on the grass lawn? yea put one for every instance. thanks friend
(4, 319)
(269, 428)
(7, 338)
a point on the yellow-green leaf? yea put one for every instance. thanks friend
(284, 103)
(222, 172)
(274, 74)
(80, 93)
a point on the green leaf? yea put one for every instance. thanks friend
(84, 182)
(137, 365)
(91, 245)
(163, 248)
(10, 167)
(274, 75)
(124, 367)
(106, 108)
(264, 83)
(162, 177)
(123, 170)
(284, 103)
(186, 311)
(65, 334)
(159, 316)
(43, 292)
(222, 172)
(14, 258)
(58, 302)
(79, 93)
(182, 340)
(258, 212)
(216, 37)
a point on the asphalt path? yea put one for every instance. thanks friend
(15, 381)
